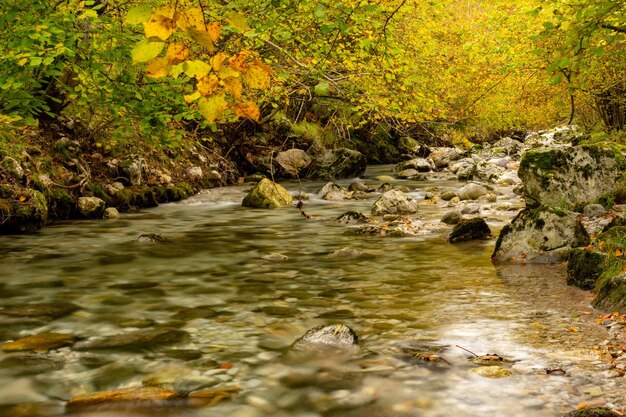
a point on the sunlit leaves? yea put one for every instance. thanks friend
(234, 86)
(158, 67)
(176, 53)
(207, 85)
(213, 107)
(196, 68)
(138, 15)
(161, 23)
(213, 29)
(238, 21)
(247, 110)
(257, 75)
(217, 59)
(145, 50)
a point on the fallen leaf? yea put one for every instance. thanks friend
(581, 406)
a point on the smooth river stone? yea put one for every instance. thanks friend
(280, 311)
(492, 372)
(142, 339)
(42, 342)
(52, 310)
(123, 397)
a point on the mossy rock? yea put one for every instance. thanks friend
(267, 194)
(22, 210)
(135, 197)
(570, 178)
(338, 163)
(592, 412)
(611, 288)
(470, 229)
(584, 267)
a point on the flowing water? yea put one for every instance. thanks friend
(405, 297)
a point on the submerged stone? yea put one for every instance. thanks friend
(267, 194)
(41, 342)
(142, 339)
(350, 217)
(124, 397)
(51, 310)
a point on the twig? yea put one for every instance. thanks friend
(467, 350)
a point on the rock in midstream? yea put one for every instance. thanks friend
(336, 335)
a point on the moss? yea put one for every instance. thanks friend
(23, 212)
(611, 288)
(584, 267)
(61, 204)
(546, 160)
(96, 190)
(136, 197)
(613, 238)
(470, 229)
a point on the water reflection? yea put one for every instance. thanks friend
(242, 309)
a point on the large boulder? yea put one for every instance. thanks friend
(394, 202)
(333, 192)
(293, 163)
(21, 210)
(540, 235)
(338, 163)
(569, 177)
(267, 194)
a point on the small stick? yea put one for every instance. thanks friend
(467, 350)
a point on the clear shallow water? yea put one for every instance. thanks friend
(402, 295)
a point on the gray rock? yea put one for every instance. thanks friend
(452, 217)
(569, 177)
(294, 162)
(470, 229)
(361, 186)
(333, 192)
(448, 195)
(472, 208)
(111, 213)
(338, 163)
(487, 172)
(114, 188)
(91, 207)
(442, 157)
(471, 191)
(345, 253)
(394, 202)
(401, 227)
(418, 164)
(336, 335)
(406, 173)
(594, 210)
(152, 238)
(133, 168)
(540, 235)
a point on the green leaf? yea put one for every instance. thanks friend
(321, 89)
(145, 50)
(238, 21)
(138, 15)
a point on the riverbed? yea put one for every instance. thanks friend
(245, 283)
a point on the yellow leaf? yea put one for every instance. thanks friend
(618, 253)
(159, 26)
(158, 68)
(240, 61)
(138, 15)
(145, 50)
(573, 330)
(227, 71)
(258, 75)
(176, 53)
(212, 108)
(217, 59)
(167, 11)
(202, 37)
(190, 98)
(581, 406)
(22, 198)
(247, 110)
(22, 62)
(207, 85)
(196, 68)
(238, 21)
(213, 30)
(192, 18)
(234, 86)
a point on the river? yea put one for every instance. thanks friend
(401, 295)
